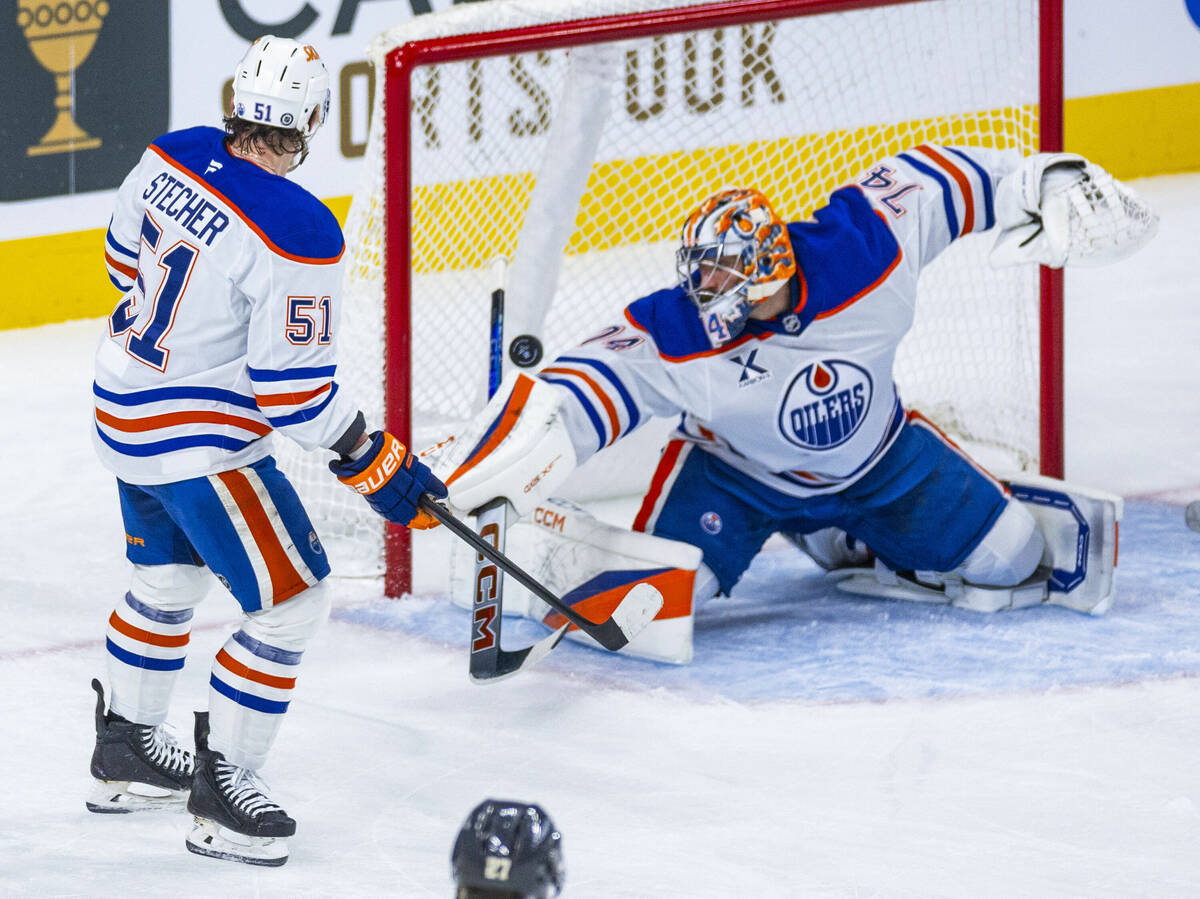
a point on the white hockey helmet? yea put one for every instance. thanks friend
(734, 253)
(282, 83)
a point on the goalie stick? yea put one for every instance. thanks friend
(634, 612)
(488, 662)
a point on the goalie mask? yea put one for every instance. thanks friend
(508, 849)
(735, 253)
(282, 83)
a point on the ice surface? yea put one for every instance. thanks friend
(820, 745)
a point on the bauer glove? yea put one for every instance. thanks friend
(391, 479)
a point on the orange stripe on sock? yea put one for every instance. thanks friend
(225, 660)
(283, 574)
(119, 624)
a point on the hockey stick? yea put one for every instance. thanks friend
(488, 662)
(635, 611)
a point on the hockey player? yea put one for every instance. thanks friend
(226, 331)
(776, 350)
(507, 850)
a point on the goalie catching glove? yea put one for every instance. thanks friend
(391, 479)
(518, 447)
(1059, 209)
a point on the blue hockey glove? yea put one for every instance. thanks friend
(391, 479)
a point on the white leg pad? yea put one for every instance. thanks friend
(1010, 551)
(1068, 559)
(591, 566)
(1080, 526)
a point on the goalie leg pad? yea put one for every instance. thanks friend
(1080, 528)
(1077, 534)
(591, 565)
(1008, 553)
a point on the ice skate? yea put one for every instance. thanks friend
(235, 819)
(137, 767)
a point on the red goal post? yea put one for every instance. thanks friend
(404, 101)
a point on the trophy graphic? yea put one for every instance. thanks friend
(61, 35)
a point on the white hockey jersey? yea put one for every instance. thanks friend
(806, 403)
(227, 328)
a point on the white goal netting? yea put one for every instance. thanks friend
(599, 153)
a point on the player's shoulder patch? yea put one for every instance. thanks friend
(670, 319)
(843, 251)
(290, 220)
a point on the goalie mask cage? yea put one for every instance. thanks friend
(572, 138)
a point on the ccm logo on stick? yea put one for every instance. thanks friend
(486, 578)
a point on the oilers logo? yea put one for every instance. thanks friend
(825, 404)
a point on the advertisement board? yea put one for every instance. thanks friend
(98, 79)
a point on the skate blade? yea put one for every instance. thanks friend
(211, 839)
(120, 797)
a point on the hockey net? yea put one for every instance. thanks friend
(572, 137)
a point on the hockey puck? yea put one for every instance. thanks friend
(1192, 515)
(525, 351)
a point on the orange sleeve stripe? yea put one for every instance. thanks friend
(119, 624)
(508, 420)
(611, 410)
(232, 665)
(283, 574)
(249, 224)
(290, 399)
(171, 419)
(964, 184)
(127, 270)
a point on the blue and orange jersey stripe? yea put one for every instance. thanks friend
(610, 410)
(175, 419)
